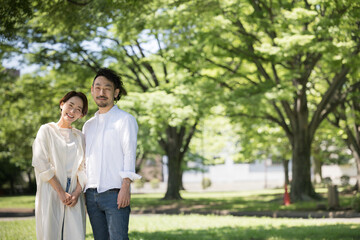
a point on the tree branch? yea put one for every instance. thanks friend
(147, 65)
(321, 112)
(137, 78)
(188, 138)
(79, 3)
(137, 66)
(282, 121)
(196, 73)
(161, 54)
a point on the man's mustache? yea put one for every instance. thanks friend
(101, 97)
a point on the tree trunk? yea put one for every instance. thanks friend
(172, 148)
(31, 184)
(181, 179)
(138, 164)
(301, 186)
(175, 147)
(353, 142)
(12, 186)
(317, 170)
(174, 183)
(286, 171)
(358, 175)
(356, 155)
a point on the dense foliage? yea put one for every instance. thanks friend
(278, 69)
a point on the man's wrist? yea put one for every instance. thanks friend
(126, 181)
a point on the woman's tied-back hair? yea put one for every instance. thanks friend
(76, 94)
(114, 78)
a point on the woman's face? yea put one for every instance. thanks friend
(71, 110)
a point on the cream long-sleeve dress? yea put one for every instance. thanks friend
(49, 152)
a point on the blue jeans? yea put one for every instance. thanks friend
(68, 181)
(107, 221)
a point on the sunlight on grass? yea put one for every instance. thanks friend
(196, 227)
(18, 202)
(228, 227)
(16, 230)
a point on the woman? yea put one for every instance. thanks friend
(58, 160)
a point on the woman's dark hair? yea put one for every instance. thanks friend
(114, 78)
(76, 94)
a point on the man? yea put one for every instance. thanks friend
(111, 137)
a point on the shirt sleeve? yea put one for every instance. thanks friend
(84, 128)
(128, 143)
(40, 159)
(81, 174)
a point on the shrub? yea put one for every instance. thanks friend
(206, 182)
(355, 204)
(155, 183)
(345, 180)
(139, 183)
(327, 181)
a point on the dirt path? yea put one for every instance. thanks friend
(10, 214)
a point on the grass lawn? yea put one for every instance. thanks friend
(17, 202)
(261, 200)
(202, 227)
(197, 227)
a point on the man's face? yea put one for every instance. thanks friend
(103, 92)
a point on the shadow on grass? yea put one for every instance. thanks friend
(348, 231)
(271, 202)
(256, 202)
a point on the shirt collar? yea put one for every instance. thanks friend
(107, 114)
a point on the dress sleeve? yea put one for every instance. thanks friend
(128, 143)
(41, 156)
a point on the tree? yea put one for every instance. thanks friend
(327, 148)
(27, 102)
(109, 34)
(285, 59)
(260, 141)
(13, 14)
(216, 139)
(18, 114)
(347, 119)
(281, 61)
(172, 117)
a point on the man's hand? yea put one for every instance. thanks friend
(123, 199)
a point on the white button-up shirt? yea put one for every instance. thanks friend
(110, 149)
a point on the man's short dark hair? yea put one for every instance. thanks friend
(114, 78)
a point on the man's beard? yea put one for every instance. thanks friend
(102, 104)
